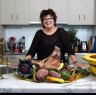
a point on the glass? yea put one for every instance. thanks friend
(49, 19)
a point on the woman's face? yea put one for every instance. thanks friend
(48, 21)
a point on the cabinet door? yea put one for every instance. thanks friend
(7, 11)
(35, 8)
(14, 12)
(81, 12)
(74, 12)
(88, 12)
(21, 12)
(60, 7)
(2, 32)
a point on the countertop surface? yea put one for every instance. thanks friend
(14, 53)
(12, 84)
(24, 53)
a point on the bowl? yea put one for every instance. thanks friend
(91, 59)
(5, 69)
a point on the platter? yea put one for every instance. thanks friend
(20, 77)
(74, 76)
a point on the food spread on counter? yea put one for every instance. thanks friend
(50, 69)
(63, 74)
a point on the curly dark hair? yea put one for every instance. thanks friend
(48, 12)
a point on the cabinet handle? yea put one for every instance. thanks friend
(11, 17)
(84, 16)
(79, 17)
(16, 17)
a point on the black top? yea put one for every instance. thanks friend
(43, 44)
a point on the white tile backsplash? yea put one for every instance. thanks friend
(84, 32)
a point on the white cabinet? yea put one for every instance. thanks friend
(14, 12)
(2, 33)
(59, 6)
(1, 27)
(35, 8)
(81, 12)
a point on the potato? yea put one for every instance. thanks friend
(41, 74)
(54, 74)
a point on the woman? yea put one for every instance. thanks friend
(50, 36)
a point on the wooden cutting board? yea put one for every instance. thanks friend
(91, 43)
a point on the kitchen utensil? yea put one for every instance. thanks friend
(11, 46)
(12, 39)
(77, 45)
(21, 44)
(84, 46)
(91, 44)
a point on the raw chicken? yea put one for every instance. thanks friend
(53, 61)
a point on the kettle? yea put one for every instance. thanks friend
(84, 46)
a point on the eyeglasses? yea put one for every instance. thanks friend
(49, 19)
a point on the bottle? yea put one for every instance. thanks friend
(23, 44)
(76, 49)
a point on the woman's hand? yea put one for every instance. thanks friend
(28, 57)
(14, 65)
(81, 64)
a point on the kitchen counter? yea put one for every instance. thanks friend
(14, 53)
(12, 84)
(24, 53)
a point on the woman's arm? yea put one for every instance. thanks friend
(34, 46)
(28, 57)
(75, 61)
